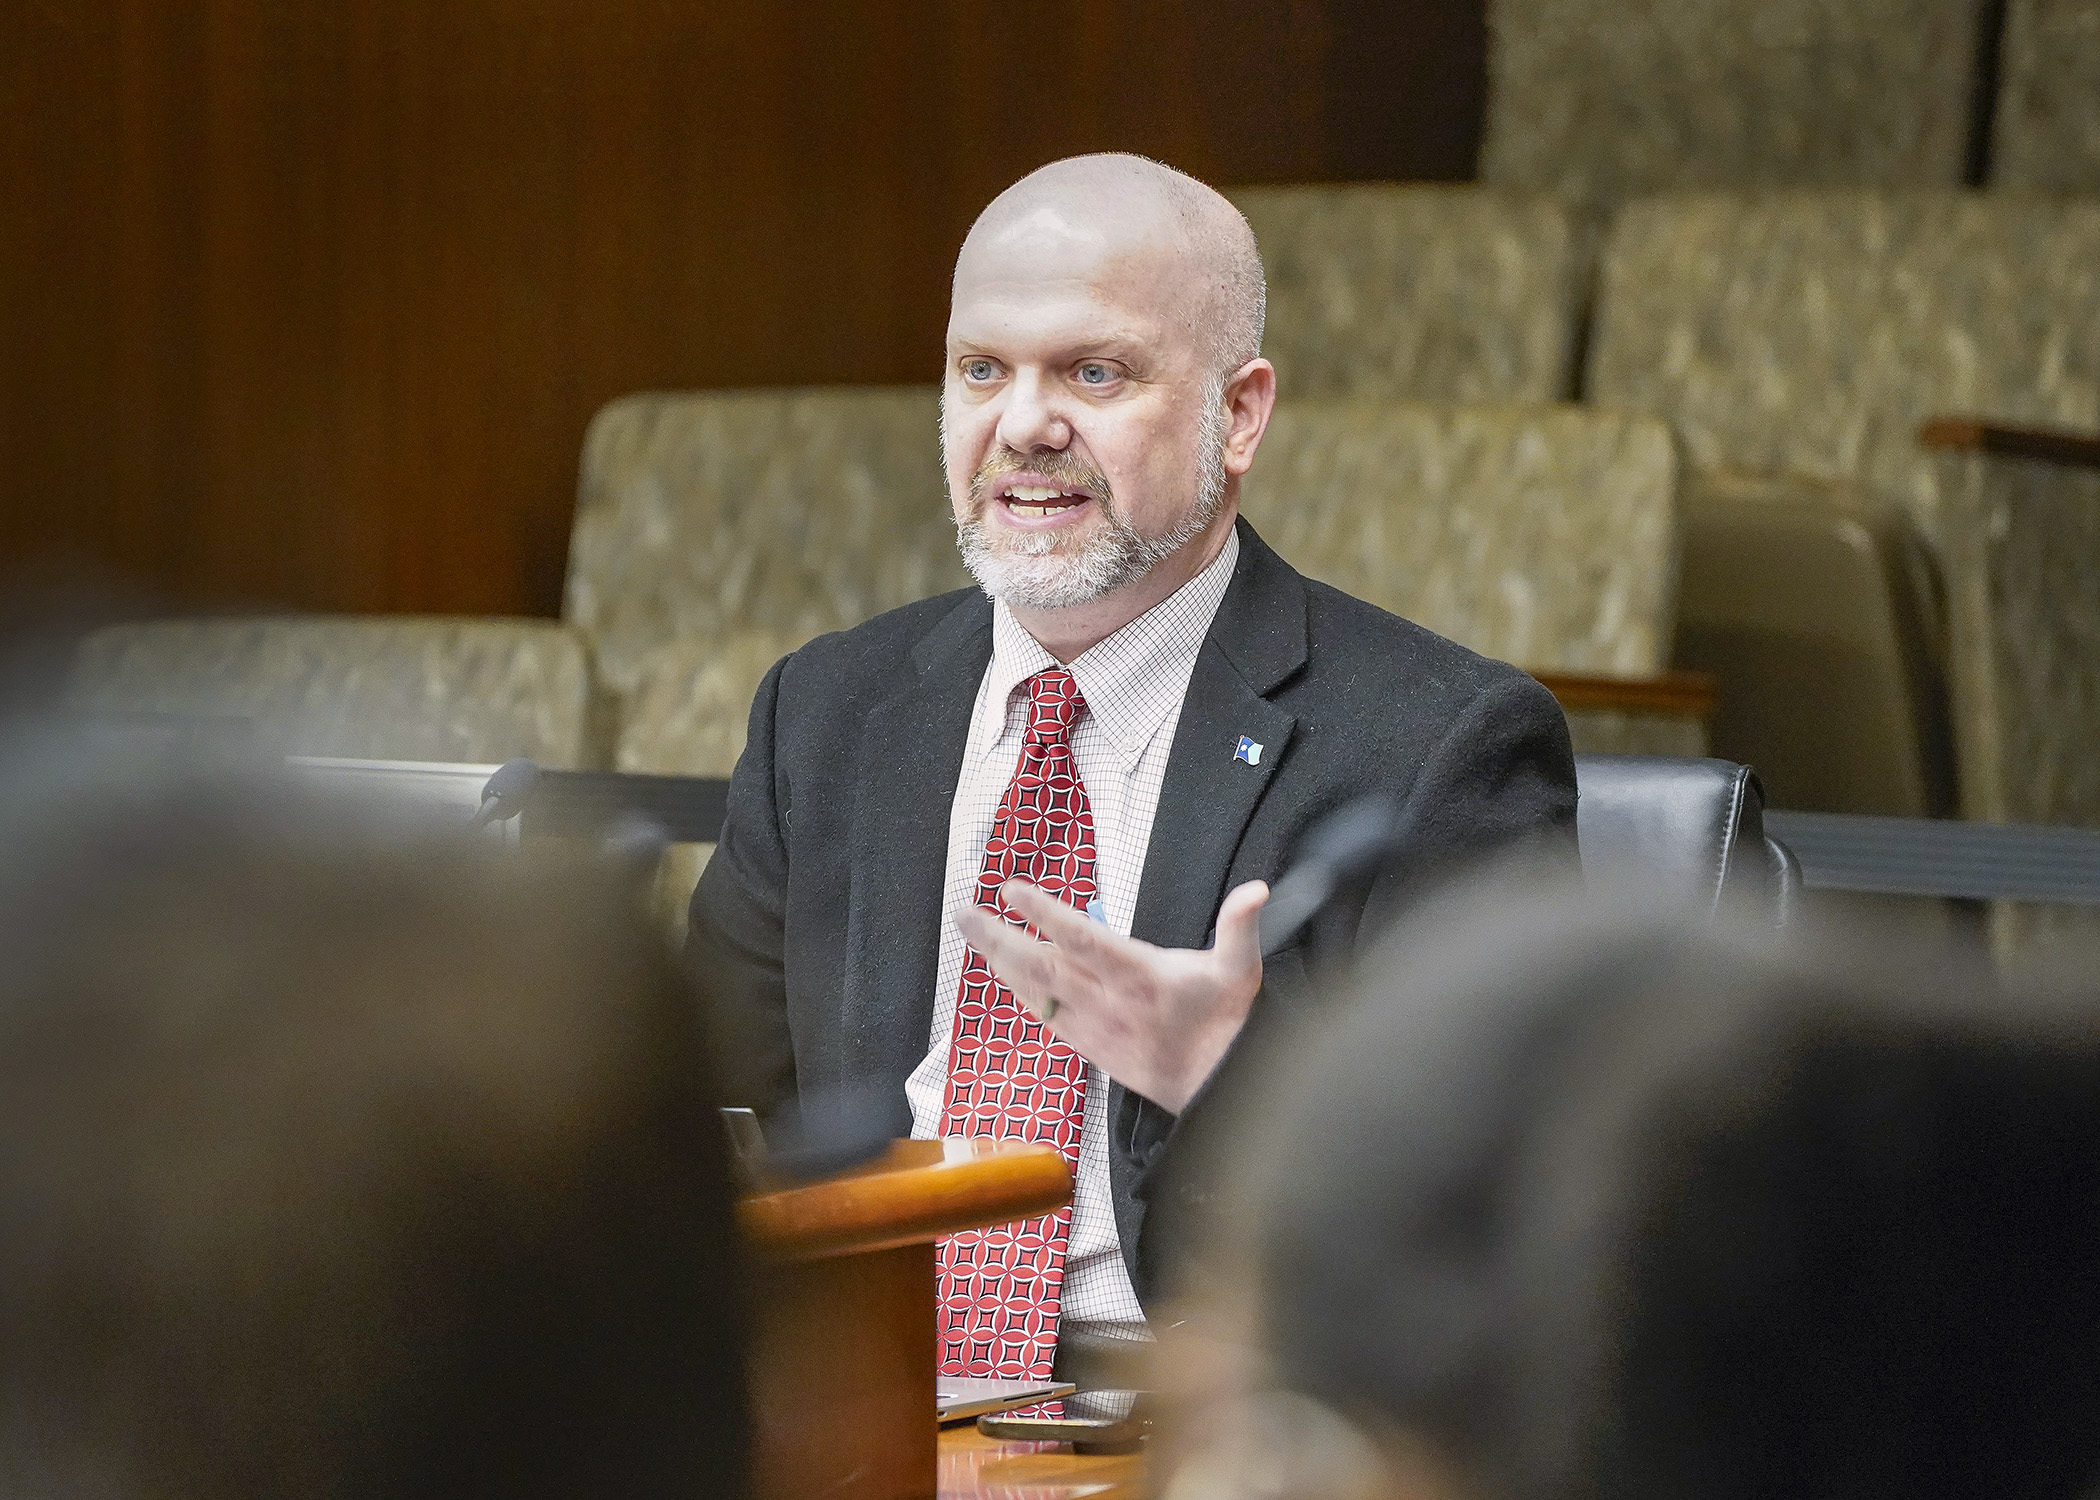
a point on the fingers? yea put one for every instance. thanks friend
(1068, 963)
(1239, 925)
(1059, 921)
(999, 942)
(1022, 964)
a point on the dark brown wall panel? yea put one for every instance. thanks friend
(305, 303)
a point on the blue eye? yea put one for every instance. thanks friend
(978, 369)
(1095, 374)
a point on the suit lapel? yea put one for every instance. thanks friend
(910, 755)
(1256, 642)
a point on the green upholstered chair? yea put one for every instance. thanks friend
(2046, 135)
(1542, 535)
(1602, 99)
(1820, 613)
(692, 699)
(718, 530)
(2023, 607)
(380, 688)
(1805, 338)
(1809, 334)
(702, 514)
(686, 717)
(1420, 292)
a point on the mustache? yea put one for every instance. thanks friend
(1056, 466)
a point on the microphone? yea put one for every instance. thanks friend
(1343, 848)
(504, 795)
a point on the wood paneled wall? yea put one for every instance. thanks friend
(306, 303)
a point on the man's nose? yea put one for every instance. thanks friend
(1031, 421)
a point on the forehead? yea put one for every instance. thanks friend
(1046, 282)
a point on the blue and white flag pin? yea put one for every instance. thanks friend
(1249, 751)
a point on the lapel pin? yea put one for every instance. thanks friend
(1249, 751)
(1096, 910)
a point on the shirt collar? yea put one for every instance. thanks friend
(1132, 680)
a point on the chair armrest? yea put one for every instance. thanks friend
(1687, 695)
(2038, 444)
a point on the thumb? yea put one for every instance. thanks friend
(1239, 925)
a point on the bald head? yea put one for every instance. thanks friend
(1104, 391)
(1075, 215)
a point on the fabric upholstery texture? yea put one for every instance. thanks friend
(686, 716)
(1811, 333)
(1432, 293)
(383, 688)
(1544, 536)
(2047, 131)
(692, 701)
(703, 513)
(2024, 604)
(1606, 98)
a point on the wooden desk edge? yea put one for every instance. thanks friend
(1688, 695)
(904, 1202)
(2039, 444)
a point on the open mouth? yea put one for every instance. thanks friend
(1039, 502)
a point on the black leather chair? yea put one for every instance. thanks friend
(1690, 831)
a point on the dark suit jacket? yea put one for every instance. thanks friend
(816, 927)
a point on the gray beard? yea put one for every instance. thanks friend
(1030, 571)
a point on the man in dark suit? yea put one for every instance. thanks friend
(1000, 855)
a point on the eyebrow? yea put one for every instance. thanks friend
(1119, 346)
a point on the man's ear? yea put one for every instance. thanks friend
(1250, 395)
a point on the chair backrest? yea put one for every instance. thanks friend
(1606, 98)
(691, 701)
(1817, 612)
(2047, 132)
(375, 688)
(1541, 535)
(1688, 832)
(1811, 333)
(701, 514)
(1424, 292)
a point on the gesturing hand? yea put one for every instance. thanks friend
(1156, 1019)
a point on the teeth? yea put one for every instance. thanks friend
(1034, 500)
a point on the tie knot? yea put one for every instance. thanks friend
(1053, 703)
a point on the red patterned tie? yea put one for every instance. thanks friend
(1000, 1287)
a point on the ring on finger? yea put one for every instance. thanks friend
(1047, 1011)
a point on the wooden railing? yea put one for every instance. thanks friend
(2047, 445)
(1688, 695)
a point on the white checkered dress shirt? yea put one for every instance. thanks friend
(1133, 684)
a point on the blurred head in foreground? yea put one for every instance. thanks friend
(1621, 1209)
(339, 1162)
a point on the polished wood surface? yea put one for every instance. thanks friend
(307, 304)
(1687, 695)
(842, 1360)
(2047, 445)
(915, 1191)
(975, 1467)
(844, 1339)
